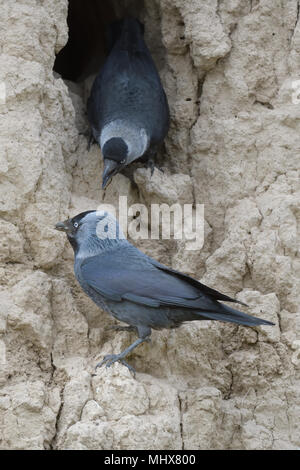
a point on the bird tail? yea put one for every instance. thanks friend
(128, 33)
(231, 315)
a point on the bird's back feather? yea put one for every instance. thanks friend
(128, 86)
(128, 33)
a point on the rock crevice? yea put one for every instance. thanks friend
(231, 73)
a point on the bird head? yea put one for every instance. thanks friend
(115, 152)
(91, 231)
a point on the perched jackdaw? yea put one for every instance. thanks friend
(135, 288)
(127, 108)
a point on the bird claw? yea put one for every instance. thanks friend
(111, 359)
(91, 141)
(151, 165)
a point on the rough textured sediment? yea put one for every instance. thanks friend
(230, 70)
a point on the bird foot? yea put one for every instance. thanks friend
(152, 166)
(112, 358)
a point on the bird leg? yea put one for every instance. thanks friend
(111, 358)
(149, 157)
(151, 165)
(91, 141)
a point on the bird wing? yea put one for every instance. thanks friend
(94, 102)
(128, 274)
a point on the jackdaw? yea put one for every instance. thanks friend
(127, 108)
(135, 288)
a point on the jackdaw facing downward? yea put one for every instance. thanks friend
(127, 108)
(135, 288)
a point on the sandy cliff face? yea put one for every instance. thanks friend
(231, 70)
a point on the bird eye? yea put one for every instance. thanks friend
(123, 161)
(75, 224)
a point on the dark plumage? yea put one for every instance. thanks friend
(135, 288)
(127, 101)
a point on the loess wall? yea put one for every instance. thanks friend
(231, 70)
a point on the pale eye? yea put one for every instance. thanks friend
(75, 224)
(123, 161)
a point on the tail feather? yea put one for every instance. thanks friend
(228, 314)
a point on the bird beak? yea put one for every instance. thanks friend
(63, 226)
(110, 169)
